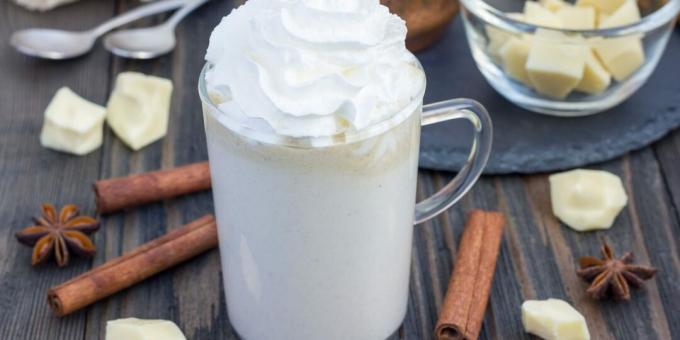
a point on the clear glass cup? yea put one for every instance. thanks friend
(490, 24)
(316, 233)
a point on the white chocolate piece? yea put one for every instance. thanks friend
(138, 109)
(550, 35)
(628, 13)
(554, 5)
(517, 16)
(72, 124)
(596, 79)
(587, 199)
(137, 329)
(42, 5)
(601, 17)
(556, 68)
(514, 55)
(577, 18)
(536, 14)
(621, 56)
(497, 38)
(554, 319)
(604, 6)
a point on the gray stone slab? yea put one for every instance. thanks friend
(526, 142)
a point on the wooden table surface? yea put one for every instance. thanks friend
(537, 256)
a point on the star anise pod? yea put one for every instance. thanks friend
(611, 276)
(59, 234)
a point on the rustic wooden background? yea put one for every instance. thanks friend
(537, 256)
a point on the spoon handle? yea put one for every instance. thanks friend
(138, 13)
(184, 11)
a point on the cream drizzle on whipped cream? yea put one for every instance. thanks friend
(312, 67)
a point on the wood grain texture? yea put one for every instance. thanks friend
(537, 253)
(668, 153)
(31, 174)
(199, 310)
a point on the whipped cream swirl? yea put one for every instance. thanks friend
(312, 67)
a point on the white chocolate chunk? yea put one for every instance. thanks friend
(596, 79)
(72, 124)
(604, 6)
(137, 329)
(138, 109)
(536, 14)
(587, 199)
(577, 18)
(556, 68)
(601, 17)
(628, 13)
(554, 319)
(514, 55)
(621, 56)
(42, 5)
(549, 35)
(517, 16)
(554, 5)
(497, 38)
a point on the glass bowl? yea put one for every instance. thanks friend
(628, 53)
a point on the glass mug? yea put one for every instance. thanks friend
(315, 233)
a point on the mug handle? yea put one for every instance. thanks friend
(479, 153)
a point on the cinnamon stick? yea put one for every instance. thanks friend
(126, 192)
(466, 298)
(147, 260)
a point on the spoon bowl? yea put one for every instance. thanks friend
(59, 44)
(141, 43)
(51, 43)
(150, 42)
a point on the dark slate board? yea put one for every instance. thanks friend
(527, 142)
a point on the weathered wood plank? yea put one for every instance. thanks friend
(191, 294)
(32, 175)
(668, 153)
(539, 254)
(655, 231)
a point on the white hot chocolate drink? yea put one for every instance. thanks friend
(312, 113)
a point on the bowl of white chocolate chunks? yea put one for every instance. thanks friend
(568, 58)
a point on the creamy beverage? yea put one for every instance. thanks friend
(315, 244)
(312, 113)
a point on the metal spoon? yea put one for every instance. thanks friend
(60, 44)
(151, 42)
